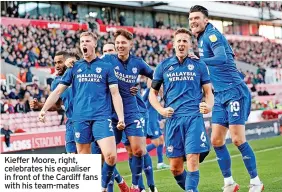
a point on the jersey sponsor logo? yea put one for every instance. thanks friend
(98, 70)
(134, 70)
(213, 38)
(79, 70)
(89, 77)
(190, 67)
(181, 76)
(126, 78)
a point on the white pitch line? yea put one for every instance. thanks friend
(213, 160)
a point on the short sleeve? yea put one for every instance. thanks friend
(145, 69)
(158, 73)
(67, 77)
(205, 74)
(112, 77)
(213, 40)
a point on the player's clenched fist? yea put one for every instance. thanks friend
(121, 125)
(205, 108)
(167, 112)
(70, 62)
(33, 104)
(41, 116)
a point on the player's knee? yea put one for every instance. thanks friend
(237, 141)
(193, 162)
(176, 171)
(130, 154)
(217, 142)
(110, 158)
(139, 152)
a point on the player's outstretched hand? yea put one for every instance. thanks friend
(205, 108)
(41, 116)
(193, 56)
(121, 125)
(167, 112)
(33, 104)
(133, 90)
(70, 62)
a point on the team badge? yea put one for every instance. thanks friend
(77, 134)
(190, 67)
(134, 70)
(213, 38)
(98, 69)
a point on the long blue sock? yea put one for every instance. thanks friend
(192, 181)
(180, 179)
(249, 159)
(224, 161)
(160, 153)
(141, 183)
(111, 185)
(107, 173)
(150, 147)
(117, 176)
(148, 169)
(137, 165)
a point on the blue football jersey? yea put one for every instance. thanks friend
(66, 96)
(153, 113)
(182, 84)
(225, 75)
(127, 74)
(141, 103)
(90, 86)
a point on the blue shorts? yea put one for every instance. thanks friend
(134, 126)
(232, 107)
(186, 135)
(95, 149)
(87, 131)
(154, 130)
(69, 138)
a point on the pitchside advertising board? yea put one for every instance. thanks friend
(53, 142)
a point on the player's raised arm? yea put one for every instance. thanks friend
(51, 100)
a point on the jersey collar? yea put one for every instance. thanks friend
(209, 25)
(177, 60)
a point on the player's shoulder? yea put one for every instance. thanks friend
(108, 57)
(136, 58)
(212, 33)
(195, 63)
(78, 63)
(168, 61)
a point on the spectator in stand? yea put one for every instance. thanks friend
(264, 92)
(274, 5)
(21, 107)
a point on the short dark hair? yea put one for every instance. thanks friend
(125, 33)
(64, 53)
(199, 8)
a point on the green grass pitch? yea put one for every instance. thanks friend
(269, 162)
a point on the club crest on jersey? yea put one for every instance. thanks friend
(213, 38)
(98, 70)
(134, 70)
(190, 67)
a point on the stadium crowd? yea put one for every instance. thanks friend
(274, 5)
